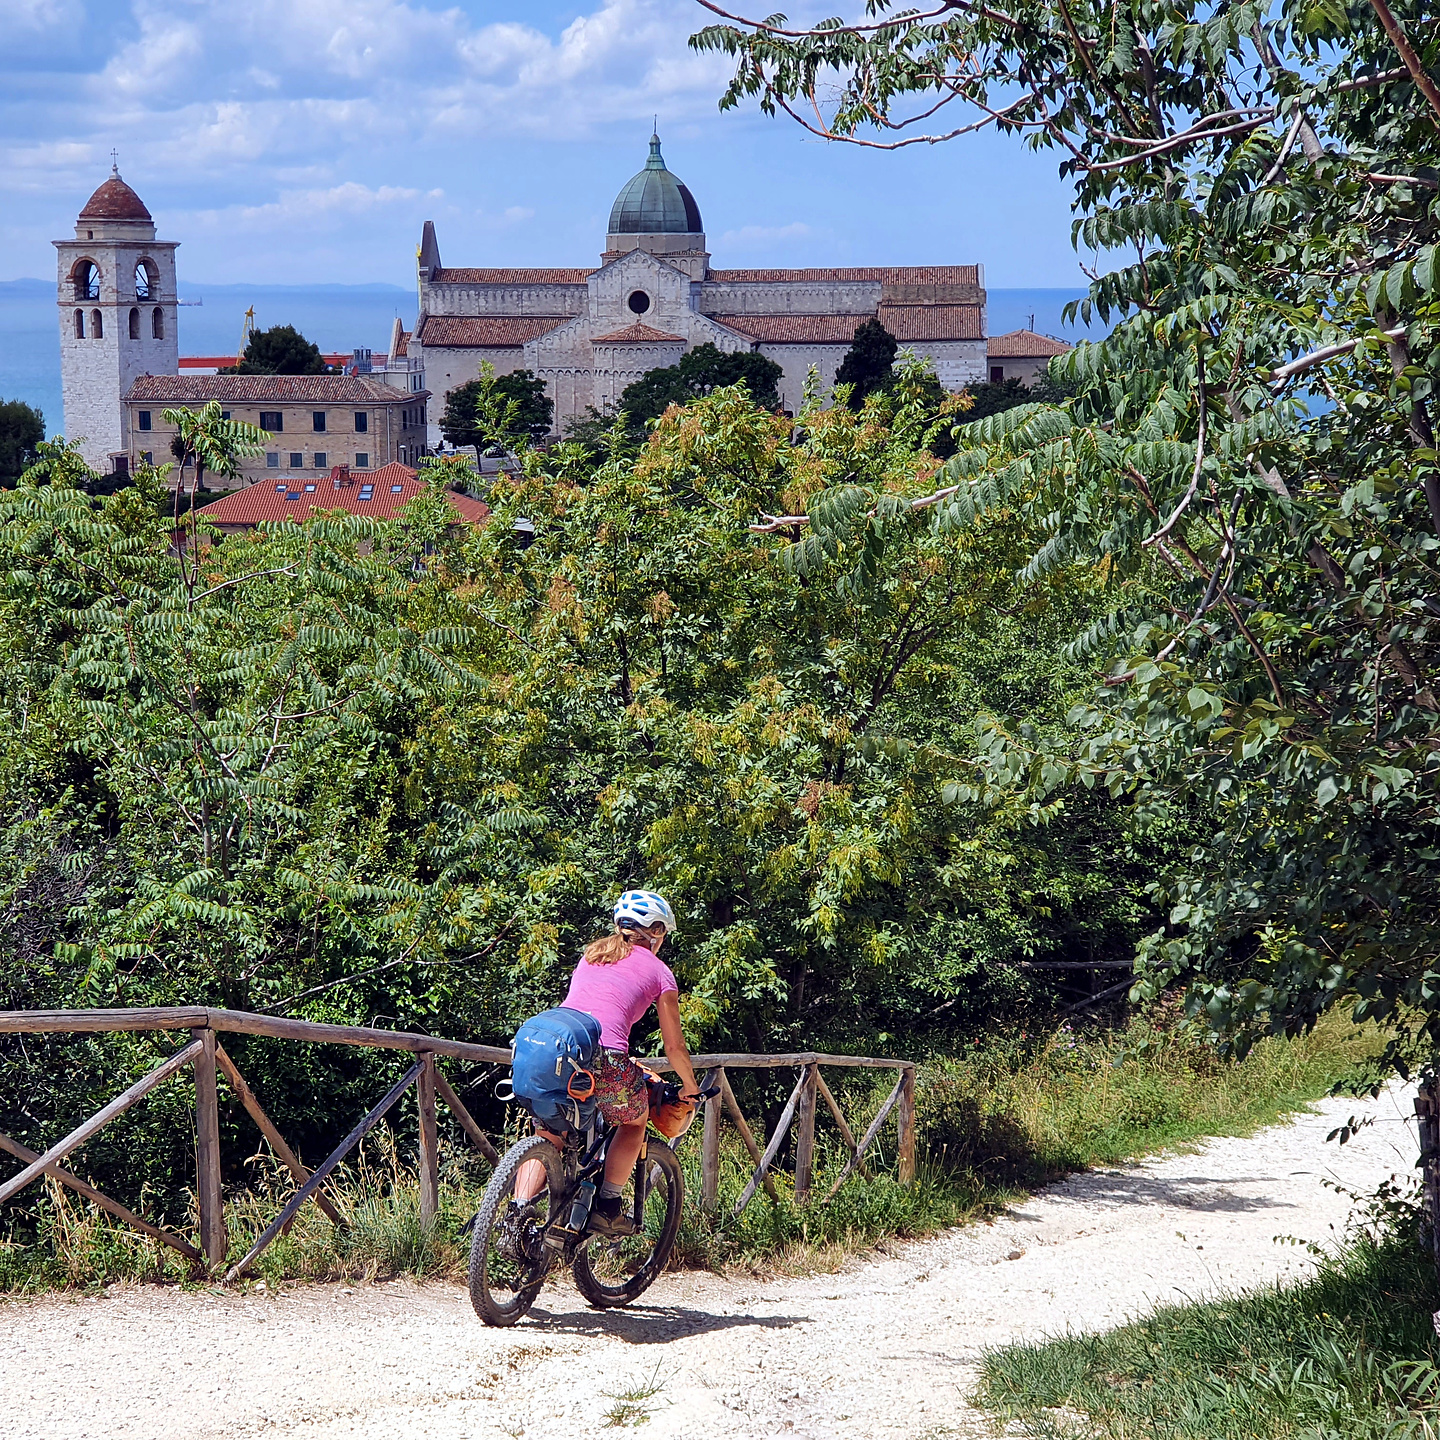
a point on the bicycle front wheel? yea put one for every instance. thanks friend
(508, 1258)
(612, 1271)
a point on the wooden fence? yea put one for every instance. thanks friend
(207, 1058)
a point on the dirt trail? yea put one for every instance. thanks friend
(886, 1348)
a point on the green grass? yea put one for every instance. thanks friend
(1348, 1355)
(1004, 1117)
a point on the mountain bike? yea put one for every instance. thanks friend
(514, 1246)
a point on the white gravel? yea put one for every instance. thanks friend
(887, 1348)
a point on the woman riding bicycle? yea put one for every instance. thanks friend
(617, 980)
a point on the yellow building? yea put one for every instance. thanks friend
(315, 422)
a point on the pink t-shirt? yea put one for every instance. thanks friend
(618, 995)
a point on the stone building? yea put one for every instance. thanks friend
(588, 333)
(315, 422)
(115, 289)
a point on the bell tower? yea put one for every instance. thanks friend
(116, 297)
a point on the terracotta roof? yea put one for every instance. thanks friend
(402, 346)
(479, 331)
(115, 200)
(390, 488)
(1026, 345)
(511, 277)
(258, 389)
(795, 329)
(933, 322)
(885, 274)
(638, 334)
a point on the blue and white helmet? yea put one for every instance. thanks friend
(644, 907)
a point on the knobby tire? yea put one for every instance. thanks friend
(506, 1276)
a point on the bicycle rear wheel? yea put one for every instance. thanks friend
(508, 1258)
(612, 1271)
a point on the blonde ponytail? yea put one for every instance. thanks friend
(608, 949)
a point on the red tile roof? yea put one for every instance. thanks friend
(933, 322)
(115, 200)
(258, 389)
(402, 346)
(391, 488)
(795, 329)
(638, 334)
(885, 274)
(465, 276)
(1026, 345)
(904, 322)
(481, 331)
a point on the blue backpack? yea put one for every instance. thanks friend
(552, 1073)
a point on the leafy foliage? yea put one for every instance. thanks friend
(280, 350)
(866, 365)
(1247, 463)
(22, 428)
(496, 409)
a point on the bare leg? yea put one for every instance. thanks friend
(624, 1151)
(531, 1179)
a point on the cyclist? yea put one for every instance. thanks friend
(617, 980)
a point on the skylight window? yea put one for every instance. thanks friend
(396, 489)
(367, 492)
(309, 489)
(281, 488)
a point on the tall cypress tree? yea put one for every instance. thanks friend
(867, 363)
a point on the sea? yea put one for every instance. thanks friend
(338, 318)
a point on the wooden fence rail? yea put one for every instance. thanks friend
(208, 1060)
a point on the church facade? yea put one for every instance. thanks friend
(588, 333)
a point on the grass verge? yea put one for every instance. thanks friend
(1007, 1115)
(1348, 1355)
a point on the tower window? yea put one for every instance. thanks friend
(134, 324)
(273, 421)
(639, 301)
(297, 460)
(362, 421)
(86, 278)
(142, 419)
(272, 460)
(317, 419)
(321, 462)
(362, 459)
(97, 326)
(145, 281)
(157, 324)
(79, 324)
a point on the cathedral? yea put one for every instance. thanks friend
(588, 333)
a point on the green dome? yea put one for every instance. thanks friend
(655, 202)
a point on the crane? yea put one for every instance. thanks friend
(247, 330)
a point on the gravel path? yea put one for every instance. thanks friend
(887, 1348)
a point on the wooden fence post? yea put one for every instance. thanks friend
(207, 1151)
(429, 1140)
(805, 1136)
(905, 1122)
(710, 1150)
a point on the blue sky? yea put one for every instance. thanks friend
(304, 141)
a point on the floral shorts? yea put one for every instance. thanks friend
(620, 1088)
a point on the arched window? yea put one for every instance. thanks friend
(146, 280)
(134, 324)
(86, 279)
(79, 324)
(157, 324)
(97, 326)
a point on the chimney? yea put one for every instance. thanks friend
(340, 477)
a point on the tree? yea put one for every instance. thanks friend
(699, 372)
(868, 362)
(497, 410)
(1266, 179)
(280, 350)
(22, 428)
(991, 397)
